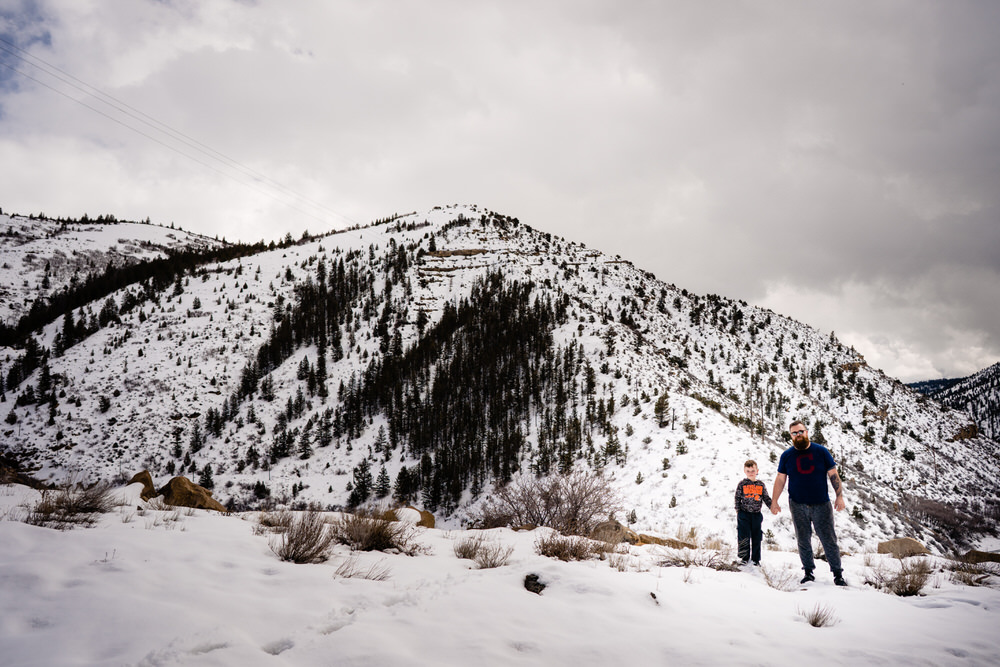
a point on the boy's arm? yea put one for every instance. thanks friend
(739, 494)
(779, 486)
(763, 495)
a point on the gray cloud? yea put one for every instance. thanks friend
(837, 162)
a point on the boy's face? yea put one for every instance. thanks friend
(751, 473)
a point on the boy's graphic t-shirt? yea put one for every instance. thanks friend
(750, 495)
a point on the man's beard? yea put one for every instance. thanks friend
(800, 443)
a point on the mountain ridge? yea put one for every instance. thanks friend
(282, 374)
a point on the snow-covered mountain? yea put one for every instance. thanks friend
(40, 257)
(978, 395)
(432, 354)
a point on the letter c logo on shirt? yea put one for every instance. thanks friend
(801, 468)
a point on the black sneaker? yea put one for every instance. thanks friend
(838, 579)
(756, 563)
(809, 577)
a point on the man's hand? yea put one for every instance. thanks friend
(839, 503)
(775, 507)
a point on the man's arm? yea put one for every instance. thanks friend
(779, 487)
(838, 488)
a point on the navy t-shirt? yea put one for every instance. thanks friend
(806, 472)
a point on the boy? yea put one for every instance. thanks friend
(749, 495)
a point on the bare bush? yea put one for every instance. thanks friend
(572, 504)
(469, 547)
(275, 522)
(782, 579)
(716, 560)
(973, 574)
(350, 569)
(158, 504)
(565, 548)
(908, 580)
(307, 540)
(493, 554)
(819, 616)
(73, 505)
(368, 532)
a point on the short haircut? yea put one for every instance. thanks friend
(799, 422)
(750, 464)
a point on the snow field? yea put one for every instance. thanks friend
(204, 589)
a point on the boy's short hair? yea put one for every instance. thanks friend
(750, 464)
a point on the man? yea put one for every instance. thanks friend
(807, 465)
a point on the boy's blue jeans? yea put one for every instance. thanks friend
(805, 518)
(748, 535)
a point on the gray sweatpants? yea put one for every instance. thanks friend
(820, 517)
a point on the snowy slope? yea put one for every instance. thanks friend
(39, 256)
(135, 395)
(147, 587)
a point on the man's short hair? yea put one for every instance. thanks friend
(797, 421)
(750, 464)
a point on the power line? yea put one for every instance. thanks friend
(164, 129)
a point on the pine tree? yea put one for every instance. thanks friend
(362, 487)
(205, 479)
(383, 485)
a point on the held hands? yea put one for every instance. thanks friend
(775, 508)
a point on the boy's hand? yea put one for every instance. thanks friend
(775, 507)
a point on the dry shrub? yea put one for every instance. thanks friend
(276, 522)
(469, 547)
(485, 553)
(158, 504)
(783, 579)
(565, 548)
(493, 554)
(350, 569)
(307, 540)
(73, 505)
(365, 531)
(716, 560)
(571, 504)
(687, 534)
(819, 616)
(908, 580)
(625, 562)
(973, 574)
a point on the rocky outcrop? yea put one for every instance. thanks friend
(533, 584)
(614, 532)
(902, 547)
(976, 556)
(665, 542)
(183, 492)
(148, 488)
(426, 518)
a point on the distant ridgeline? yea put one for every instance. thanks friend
(931, 387)
(978, 395)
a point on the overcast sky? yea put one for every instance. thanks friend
(836, 161)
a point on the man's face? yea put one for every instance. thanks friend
(800, 436)
(750, 472)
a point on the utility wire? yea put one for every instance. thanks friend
(163, 128)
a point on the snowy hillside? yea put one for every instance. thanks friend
(978, 395)
(39, 256)
(149, 586)
(430, 355)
